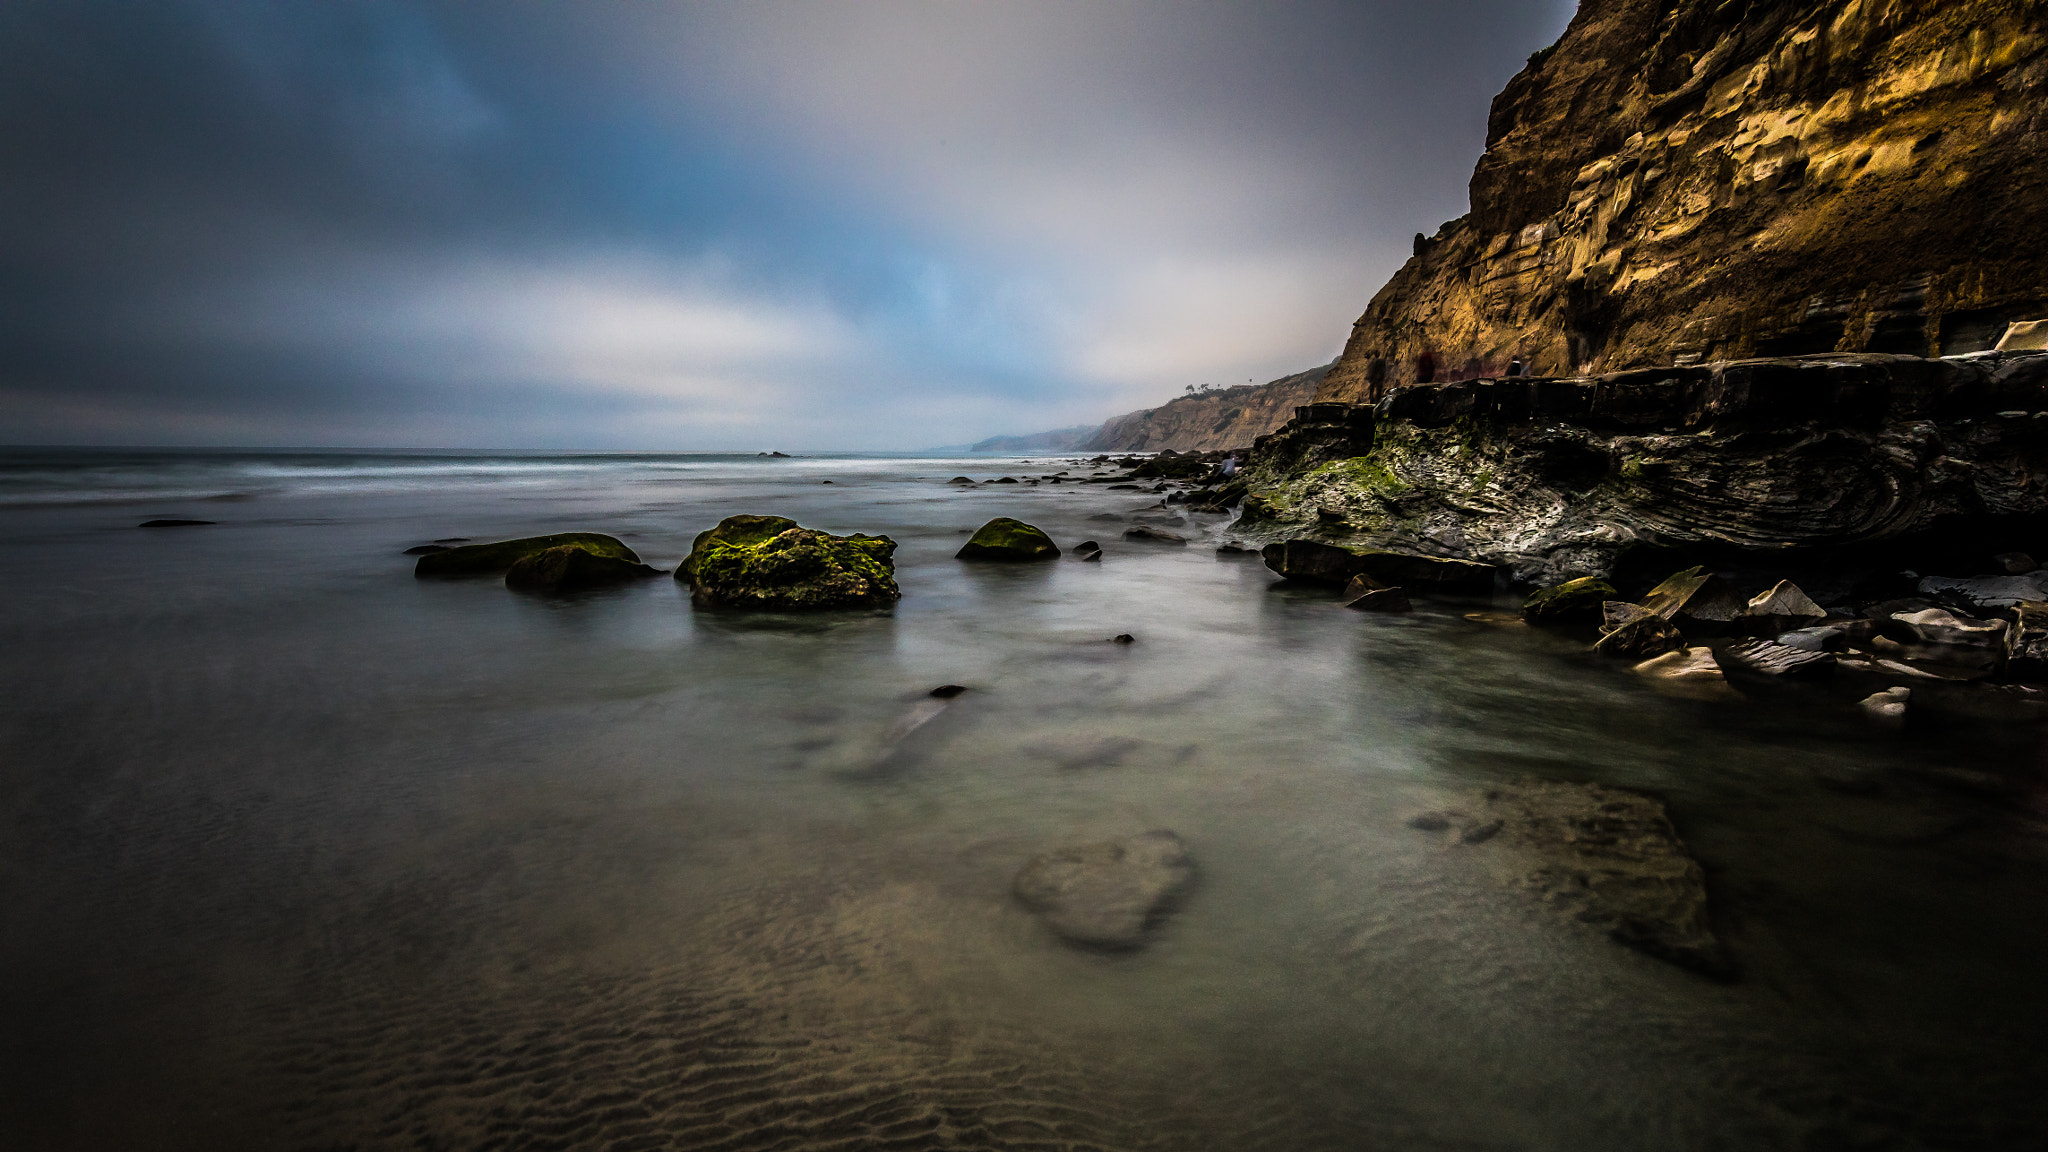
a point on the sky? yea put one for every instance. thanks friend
(880, 225)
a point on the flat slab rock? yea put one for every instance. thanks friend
(1108, 893)
(1606, 857)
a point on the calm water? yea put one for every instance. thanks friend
(298, 852)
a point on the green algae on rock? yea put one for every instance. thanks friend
(772, 563)
(571, 569)
(1572, 602)
(492, 559)
(738, 531)
(1005, 539)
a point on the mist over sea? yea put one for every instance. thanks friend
(299, 852)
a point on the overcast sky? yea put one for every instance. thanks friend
(860, 225)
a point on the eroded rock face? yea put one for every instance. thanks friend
(795, 569)
(1553, 479)
(1684, 181)
(1604, 856)
(1106, 894)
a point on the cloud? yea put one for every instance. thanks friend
(888, 224)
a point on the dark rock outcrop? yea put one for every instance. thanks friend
(572, 569)
(1106, 894)
(1306, 559)
(1685, 181)
(499, 557)
(1784, 458)
(1006, 539)
(771, 563)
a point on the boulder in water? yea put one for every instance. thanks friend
(1637, 634)
(1696, 599)
(1106, 894)
(1380, 600)
(1150, 535)
(1782, 608)
(756, 562)
(1572, 602)
(571, 569)
(1337, 564)
(1006, 539)
(493, 559)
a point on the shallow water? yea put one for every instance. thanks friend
(299, 852)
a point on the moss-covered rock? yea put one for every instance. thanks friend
(571, 569)
(1005, 539)
(1572, 602)
(742, 564)
(738, 531)
(492, 559)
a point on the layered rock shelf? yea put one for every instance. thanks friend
(1859, 457)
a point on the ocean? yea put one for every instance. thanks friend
(300, 852)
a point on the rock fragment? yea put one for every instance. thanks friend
(496, 558)
(1782, 608)
(1150, 535)
(571, 569)
(1695, 598)
(1764, 658)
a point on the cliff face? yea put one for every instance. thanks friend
(1231, 418)
(1680, 181)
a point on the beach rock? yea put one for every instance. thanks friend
(754, 562)
(1012, 540)
(1984, 593)
(1604, 857)
(1147, 534)
(1303, 559)
(1781, 608)
(1123, 638)
(960, 480)
(1431, 821)
(1615, 613)
(2014, 563)
(1380, 600)
(1087, 550)
(497, 558)
(1106, 894)
(175, 523)
(424, 549)
(1764, 658)
(571, 569)
(1572, 602)
(1647, 635)
(1821, 638)
(2026, 641)
(1888, 706)
(1006, 480)
(1695, 599)
(1687, 672)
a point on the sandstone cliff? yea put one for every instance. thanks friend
(1682, 181)
(1213, 422)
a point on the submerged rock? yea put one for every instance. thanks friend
(1106, 894)
(1150, 535)
(572, 569)
(1605, 857)
(493, 559)
(1380, 600)
(1888, 706)
(175, 523)
(1006, 539)
(757, 562)
(1572, 602)
(1763, 658)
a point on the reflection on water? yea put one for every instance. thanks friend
(297, 852)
